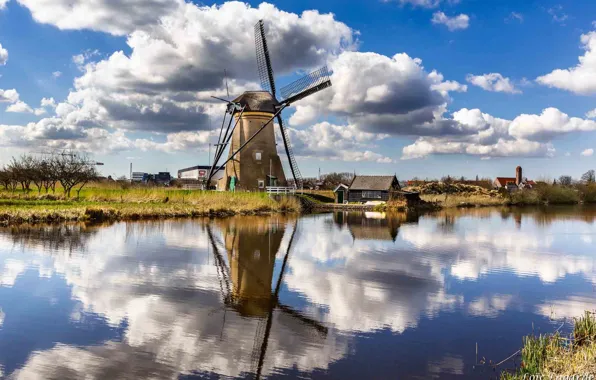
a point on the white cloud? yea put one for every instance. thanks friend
(57, 74)
(424, 3)
(48, 102)
(420, 3)
(9, 96)
(591, 114)
(580, 79)
(515, 16)
(557, 14)
(181, 141)
(488, 136)
(494, 82)
(3, 4)
(425, 146)
(118, 17)
(3, 52)
(458, 22)
(550, 123)
(588, 152)
(20, 107)
(164, 85)
(336, 142)
(380, 94)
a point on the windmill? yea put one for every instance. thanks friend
(253, 162)
(246, 281)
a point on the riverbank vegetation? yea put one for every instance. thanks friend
(465, 195)
(553, 355)
(111, 202)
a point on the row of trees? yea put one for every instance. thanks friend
(588, 177)
(328, 181)
(71, 170)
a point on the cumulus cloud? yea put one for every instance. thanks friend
(425, 146)
(550, 123)
(9, 96)
(51, 133)
(48, 102)
(380, 94)
(19, 107)
(181, 141)
(588, 152)
(494, 82)
(336, 142)
(489, 136)
(580, 79)
(3, 52)
(458, 22)
(118, 17)
(163, 85)
(56, 74)
(3, 4)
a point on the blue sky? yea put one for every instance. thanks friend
(104, 106)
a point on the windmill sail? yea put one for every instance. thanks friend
(290, 152)
(307, 85)
(263, 59)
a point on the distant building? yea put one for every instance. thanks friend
(140, 177)
(372, 188)
(513, 183)
(163, 178)
(195, 177)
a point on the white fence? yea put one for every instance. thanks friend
(281, 190)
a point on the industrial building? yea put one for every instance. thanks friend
(195, 177)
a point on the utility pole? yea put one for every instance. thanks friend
(131, 172)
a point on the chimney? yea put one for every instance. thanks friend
(518, 175)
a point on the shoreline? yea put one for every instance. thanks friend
(99, 205)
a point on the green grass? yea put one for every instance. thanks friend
(552, 355)
(98, 203)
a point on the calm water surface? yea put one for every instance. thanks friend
(323, 296)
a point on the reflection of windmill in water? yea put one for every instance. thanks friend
(253, 162)
(246, 284)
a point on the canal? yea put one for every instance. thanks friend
(337, 295)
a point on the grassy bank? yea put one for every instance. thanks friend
(552, 356)
(97, 203)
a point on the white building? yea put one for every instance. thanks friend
(199, 173)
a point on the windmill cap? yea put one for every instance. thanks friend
(258, 101)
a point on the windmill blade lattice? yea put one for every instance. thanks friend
(291, 158)
(307, 85)
(264, 60)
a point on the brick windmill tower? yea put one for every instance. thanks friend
(253, 162)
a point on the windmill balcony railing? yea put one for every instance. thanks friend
(276, 190)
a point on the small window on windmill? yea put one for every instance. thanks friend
(258, 156)
(261, 184)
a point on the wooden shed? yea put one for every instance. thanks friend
(372, 188)
(341, 193)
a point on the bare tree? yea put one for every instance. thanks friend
(73, 169)
(565, 180)
(7, 179)
(589, 177)
(23, 170)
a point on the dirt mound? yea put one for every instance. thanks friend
(435, 188)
